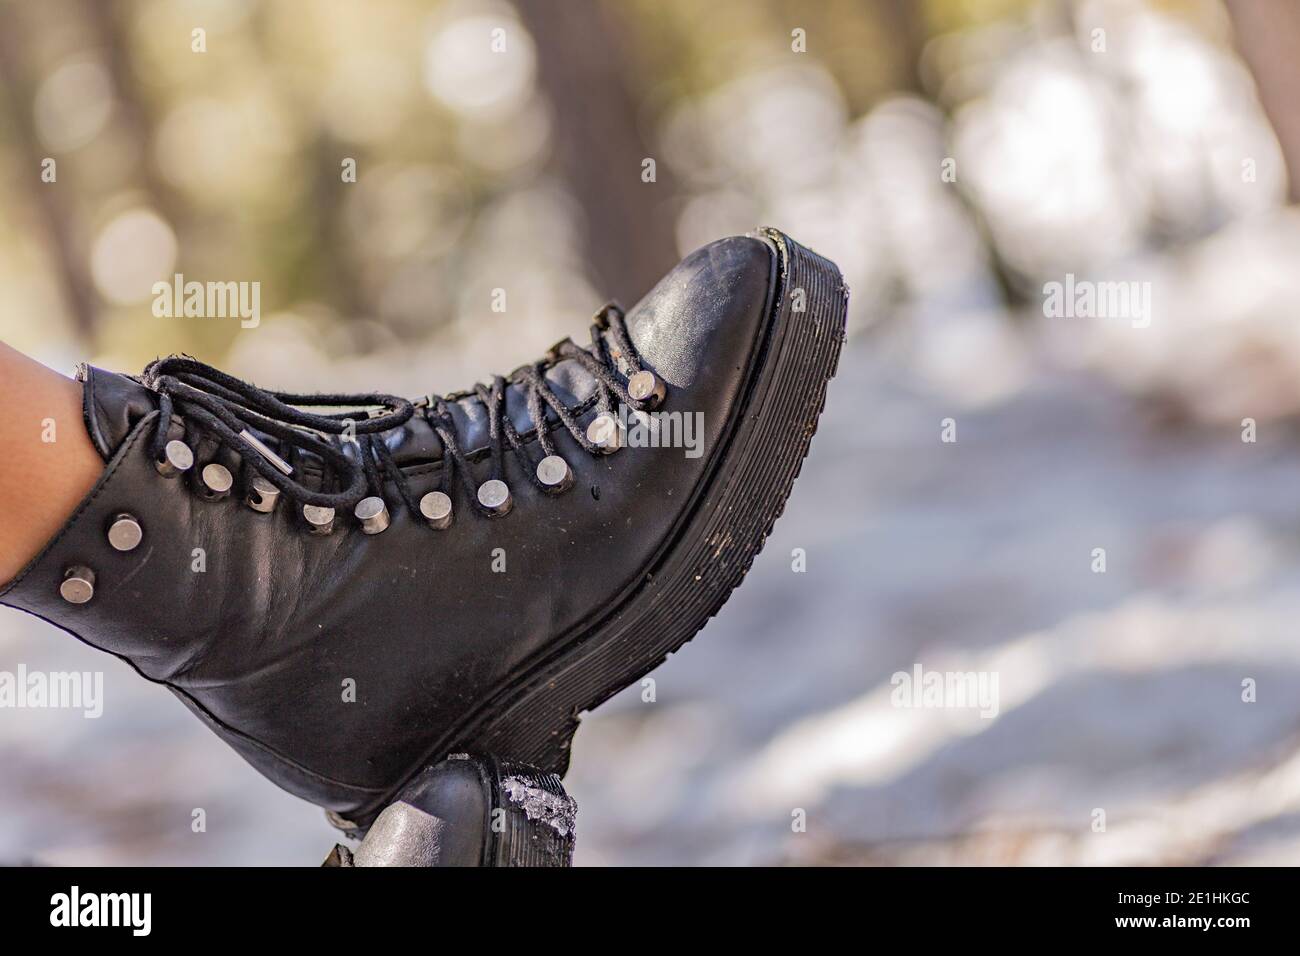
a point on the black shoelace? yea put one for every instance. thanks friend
(227, 407)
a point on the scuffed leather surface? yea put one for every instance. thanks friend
(259, 644)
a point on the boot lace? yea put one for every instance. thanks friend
(227, 408)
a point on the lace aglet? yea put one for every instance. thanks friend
(265, 452)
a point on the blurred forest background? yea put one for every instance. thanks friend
(1127, 140)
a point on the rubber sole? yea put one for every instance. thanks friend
(533, 719)
(533, 821)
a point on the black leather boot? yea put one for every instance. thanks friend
(347, 597)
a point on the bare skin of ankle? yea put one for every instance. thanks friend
(47, 463)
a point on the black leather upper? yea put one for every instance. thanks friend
(261, 627)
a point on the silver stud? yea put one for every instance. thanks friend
(125, 533)
(554, 472)
(647, 387)
(78, 585)
(262, 495)
(494, 495)
(319, 519)
(373, 514)
(176, 458)
(436, 509)
(606, 433)
(217, 480)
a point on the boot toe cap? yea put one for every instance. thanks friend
(697, 326)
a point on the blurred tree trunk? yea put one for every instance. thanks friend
(1268, 36)
(336, 266)
(583, 67)
(56, 211)
(905, 22)
(105, 22)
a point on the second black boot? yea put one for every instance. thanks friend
(471, 811)
(348, 588)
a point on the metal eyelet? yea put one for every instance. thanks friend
(78, 584)
(555, 474)
(177, 457)
(124, 532)
(647, 388)
(494, 495)
(606, 432)
(262, 495)
(435, 508)
(320, 520)
(372, 512)
(215, 481)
